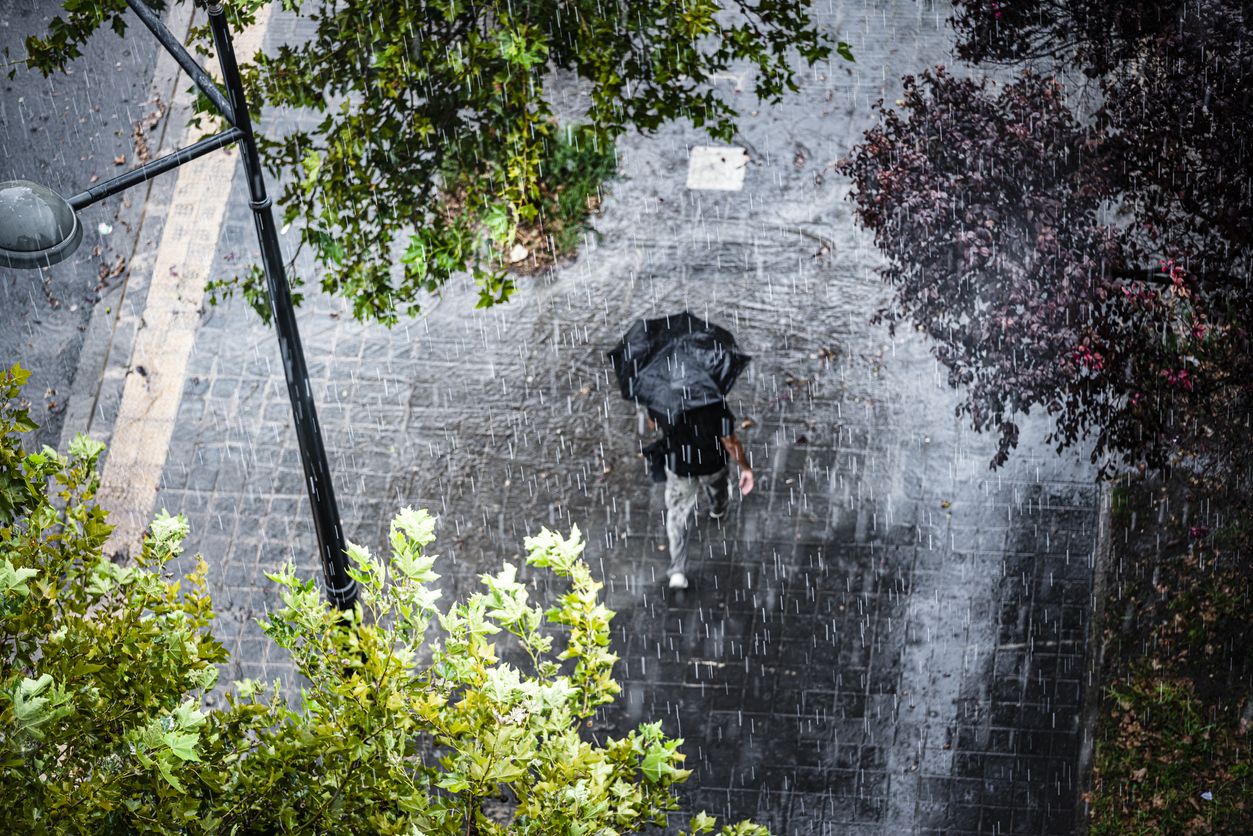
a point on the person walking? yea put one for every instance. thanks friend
(697, 444)
(680, 368)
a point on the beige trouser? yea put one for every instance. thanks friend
(682, 493)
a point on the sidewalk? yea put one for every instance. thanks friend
(885, 637)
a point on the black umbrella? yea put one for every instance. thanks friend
(677, 363)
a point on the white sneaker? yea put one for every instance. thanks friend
(678, 581)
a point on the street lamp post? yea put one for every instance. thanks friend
(39, 228)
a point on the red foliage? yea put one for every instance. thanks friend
(1096, 266)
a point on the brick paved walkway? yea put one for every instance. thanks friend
(884, 638)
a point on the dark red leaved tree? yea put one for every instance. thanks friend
(1096, 266)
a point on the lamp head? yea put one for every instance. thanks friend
(38, 228)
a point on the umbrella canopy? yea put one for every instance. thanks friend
(676, 363)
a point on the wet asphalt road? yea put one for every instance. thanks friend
(884, 638)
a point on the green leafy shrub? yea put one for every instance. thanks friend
(103, 719)
(576, 162)
(579, 164)
(103, 667)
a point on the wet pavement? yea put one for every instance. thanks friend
(885, 637)
(63, 131)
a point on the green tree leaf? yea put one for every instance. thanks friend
(450, 127)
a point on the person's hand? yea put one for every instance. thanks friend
(746, 482)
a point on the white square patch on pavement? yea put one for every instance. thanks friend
(717, 168)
